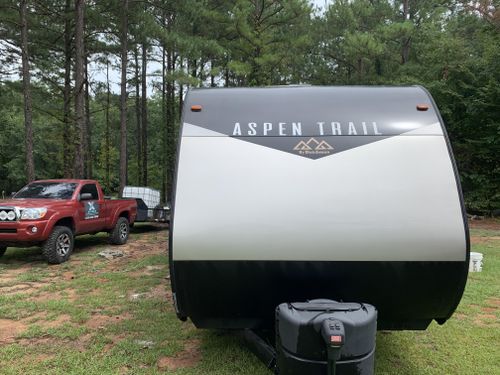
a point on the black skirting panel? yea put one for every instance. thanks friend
(244, 294)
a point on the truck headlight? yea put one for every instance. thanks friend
(33, 213)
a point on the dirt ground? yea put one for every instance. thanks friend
(484, 225)
(44, 286)
(94, 305)
(487, 224)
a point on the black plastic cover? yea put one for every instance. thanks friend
(298, 329)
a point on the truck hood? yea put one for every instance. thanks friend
(29, 203)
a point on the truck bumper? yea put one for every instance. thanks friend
(22, 233)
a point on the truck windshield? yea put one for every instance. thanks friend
(47, 190)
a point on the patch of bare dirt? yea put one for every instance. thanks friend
(41, 320)
(159, 292)
(68, 293)
(494, 302)
(115, 340)
(492, 306)
(459, 316)
(133, 251)
(60, 320)
(98, 321)
(37, 341)
(79, 344)
(485, 320)
(9, 329)
(189, 357)
(43, 357)
(482, 239)
(147, 271)
(68, 275)
(14, 289)
(9, 275)
(489, 223)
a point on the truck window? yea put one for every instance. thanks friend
(47, 190)
(92, 189)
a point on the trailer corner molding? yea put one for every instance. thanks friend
(285, 194)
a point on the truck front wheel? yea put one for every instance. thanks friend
(119, 235)
(2, 250)
(59, 246)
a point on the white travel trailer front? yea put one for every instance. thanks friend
(295, 193)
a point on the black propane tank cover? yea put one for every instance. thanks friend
(300, 337)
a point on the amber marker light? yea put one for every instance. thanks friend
(196, 108)
(422, 107)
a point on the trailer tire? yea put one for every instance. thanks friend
(59, 246)
(120, 233)
(2, 250)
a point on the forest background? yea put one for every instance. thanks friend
(94, 89)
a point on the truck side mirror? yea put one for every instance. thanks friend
(12, 194)
(85, 196)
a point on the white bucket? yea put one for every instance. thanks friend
(476, 262)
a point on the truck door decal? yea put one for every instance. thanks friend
(91, 210)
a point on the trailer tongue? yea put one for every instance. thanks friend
(292, 194)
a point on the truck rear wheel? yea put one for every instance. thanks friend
(119, 235)
(2, 250)
(59, 246)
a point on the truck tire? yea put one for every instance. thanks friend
(59, 246)
(2, 250)
(119, 235)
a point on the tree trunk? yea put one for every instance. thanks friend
(212, 77)
(123, 98)
(68, 123)
(80, 151)
(164, 118)
(88, 124)
(138, 116)
(107, 134)
(28, 110)
(181, 86)
(170, 127)
(144, 113)
(406, 43)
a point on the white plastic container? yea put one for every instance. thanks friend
(476, 262)
(151, 197)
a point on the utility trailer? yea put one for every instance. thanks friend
(285, 195)
(149, 207)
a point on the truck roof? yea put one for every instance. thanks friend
(73, 180)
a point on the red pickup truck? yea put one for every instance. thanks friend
(51, 213)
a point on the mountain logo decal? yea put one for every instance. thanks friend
(313, 147)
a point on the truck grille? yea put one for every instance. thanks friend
(7, 214)
(8, 230)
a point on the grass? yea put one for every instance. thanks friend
(79, 318)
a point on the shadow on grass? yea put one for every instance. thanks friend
(391, 357)
(148, 227)
(21, 257)
(227, 352)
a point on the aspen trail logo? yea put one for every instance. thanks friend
(313, 147)
(313, 140)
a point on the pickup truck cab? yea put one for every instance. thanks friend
(51, 213)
